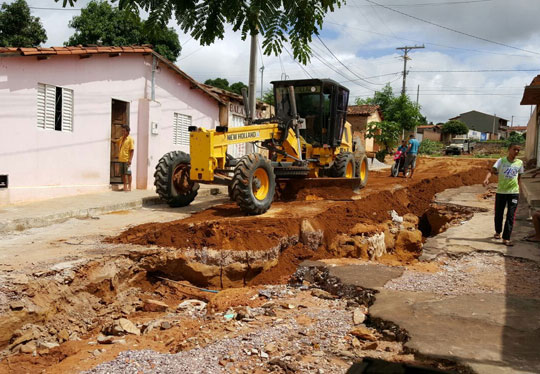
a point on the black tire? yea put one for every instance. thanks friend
(362, 164)
(339, 167)
(163, 179)
(244, 189)
(394, 172)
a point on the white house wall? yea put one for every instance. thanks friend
(46, 163)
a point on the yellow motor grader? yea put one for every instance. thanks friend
(309, 142)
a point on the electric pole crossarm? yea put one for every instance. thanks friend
(406, 57)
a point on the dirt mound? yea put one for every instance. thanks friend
(281, 232)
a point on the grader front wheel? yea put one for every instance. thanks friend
(253, 184)
(172, 179)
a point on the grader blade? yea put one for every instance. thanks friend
(291, 187)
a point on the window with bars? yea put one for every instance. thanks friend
(180, 129)
(54, 108)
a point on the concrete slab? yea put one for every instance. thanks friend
(19, 217)
(372, 276)
(484, 331)
(496, 332)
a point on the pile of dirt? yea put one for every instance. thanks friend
(338, 224)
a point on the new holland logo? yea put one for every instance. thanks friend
(243, 135)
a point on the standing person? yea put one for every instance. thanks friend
(125, 155)
(509, 170)
(403, 147)
(412, 152)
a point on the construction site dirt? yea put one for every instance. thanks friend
(209, 284)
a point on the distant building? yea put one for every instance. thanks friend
(234, 115)
(429, 132)
(360, 116)
(494, 127)
(519, 129)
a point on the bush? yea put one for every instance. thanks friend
(514, 138)
(430, 147)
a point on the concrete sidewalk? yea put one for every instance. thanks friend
(19, 217)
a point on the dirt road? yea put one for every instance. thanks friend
(89, 288)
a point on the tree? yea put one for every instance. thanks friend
(224, 85)
(398, 109)
(237, 87)
(100, 23)
(386, 134)
(18, 28)
(277, 21)
(218, 82)
(455, 127)
(268, 97)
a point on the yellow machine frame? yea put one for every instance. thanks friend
(208, 148)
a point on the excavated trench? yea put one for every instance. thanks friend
(219, 248)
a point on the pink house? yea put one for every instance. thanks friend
(60, 108)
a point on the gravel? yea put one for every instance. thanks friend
(474, 273)
(319, 331)
(374, 164)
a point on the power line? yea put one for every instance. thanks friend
(45, 8)
(435, 4)
(341, 63)
(453, 30)
(299, 64)
(428, 43)
(473, 71)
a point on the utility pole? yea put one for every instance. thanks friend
(494, 118)
(262, 74)
(252, 85)
(417, 95)
(406, 57)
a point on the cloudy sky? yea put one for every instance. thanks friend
(503, 35)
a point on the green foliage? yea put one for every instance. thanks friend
(514, 138)
(100, 23)
(18, 28)
(237, 87)
(276, 21)
(430, 147)
(398, 109)
(224, 85)
(268, 97)
(455, 127)
(218, 82)
(386, 134)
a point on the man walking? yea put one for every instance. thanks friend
(412, 152)
(509, 170)
(125, 155)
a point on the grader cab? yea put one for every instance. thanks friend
(308, 141)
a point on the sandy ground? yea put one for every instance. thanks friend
(64, 284)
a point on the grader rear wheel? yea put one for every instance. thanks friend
(171, 179)
(253, 184)
(344, 166)
(362, 170)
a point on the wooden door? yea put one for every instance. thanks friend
(119, 117)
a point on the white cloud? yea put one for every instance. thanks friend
(364, 38)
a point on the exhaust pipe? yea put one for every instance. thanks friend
(246, 105)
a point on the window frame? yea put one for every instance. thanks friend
(48, 115)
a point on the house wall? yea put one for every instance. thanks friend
(430, 134)
(531, 142)
(359, 125)
(174, 95)
(46, 163)
(482, 122)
